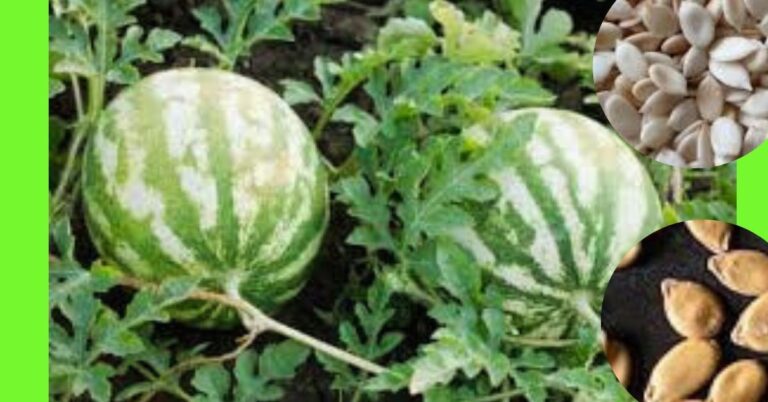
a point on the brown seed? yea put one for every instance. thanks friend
(714, 235)
(743, 381)
(659, 58)
(710, 98)
(620, 360)
(683, 370)
(683, 115)
(687, 146)
(620, 10)
(692, 309)
(659, 19)
(645, 41)
(695, 62)
(656, 133)
(607, 36)
(704, 153)
(623, 116)
(643, 89)
(743, 271)
(675, 45)
(659, 104)
(751, 330)
(629, 257)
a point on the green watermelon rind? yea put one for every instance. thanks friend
(206, 173)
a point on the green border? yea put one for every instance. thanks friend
(752, 191)
(23, 143)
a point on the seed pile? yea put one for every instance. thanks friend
(697, 314)
(685, 81)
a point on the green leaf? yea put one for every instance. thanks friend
(486, 40)
(394, 379)
(371, 210)
(556, 25)
(406, 37)
(160, 39)
(298, 92)
(63, 238)
(55, 87)
(438, 365)
(124, 74)
(532, 384)
(281, 361)
(460, 275)
(211, 21)
(202, 44)
(308, 10)
(213, 381)
(95, 381)
(365, 125)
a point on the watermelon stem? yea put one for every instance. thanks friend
(540, 343)
(581, 303)
(257, 320)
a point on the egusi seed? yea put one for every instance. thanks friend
(619, 358)
(751, 330)
(694, 68)
(743, 271)
(714, 235)
(743, 381)
(629, 257)
(692, 309)
(683, 370)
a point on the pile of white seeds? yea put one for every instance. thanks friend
(685, 81)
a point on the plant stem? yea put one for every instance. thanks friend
(69, 167)
(582, 306)
(356, 396)
(256, 321)
(677, 185)
(245, 342)
(341, 94)
(540, 343)
(264, 322)
(78, 96)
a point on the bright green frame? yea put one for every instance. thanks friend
(23, 143)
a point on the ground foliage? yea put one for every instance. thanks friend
(431, 70)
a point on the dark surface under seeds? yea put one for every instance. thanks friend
(633, 308)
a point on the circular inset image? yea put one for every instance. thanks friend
(685, 82)
(685, 316)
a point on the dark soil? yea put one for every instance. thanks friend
(343, 28)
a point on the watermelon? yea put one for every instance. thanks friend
(205, 173)
(571, 202)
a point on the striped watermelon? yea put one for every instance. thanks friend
(573, 202)
(206, 173)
